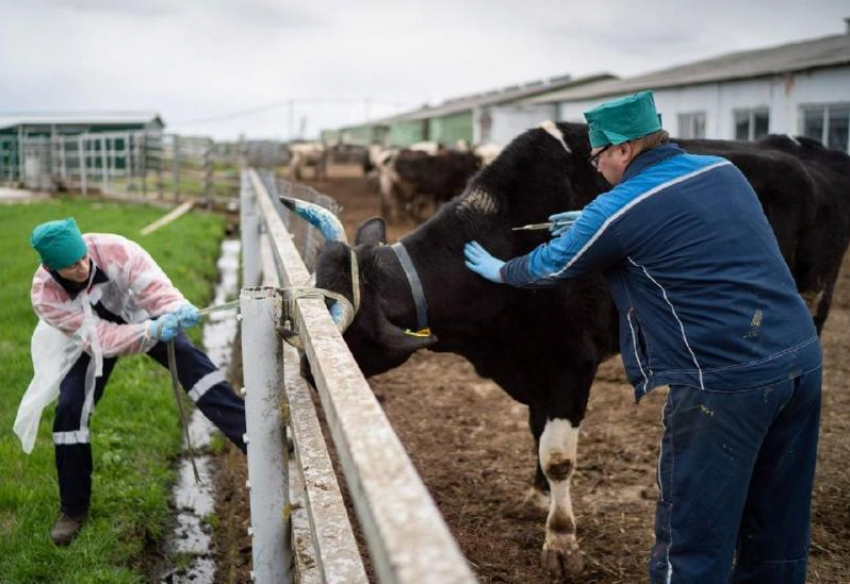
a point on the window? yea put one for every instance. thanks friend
(692, 125)
(828, 124)
(751, 124)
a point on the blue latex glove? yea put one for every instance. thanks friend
(188, 315)
(562, 221)
(482, 263)
(164, 328)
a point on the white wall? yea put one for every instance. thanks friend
(782, 95)
(509, 121)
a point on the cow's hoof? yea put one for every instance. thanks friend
(560, 563)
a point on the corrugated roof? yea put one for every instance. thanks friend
(92, 118)
(801, 56)
(493, 97)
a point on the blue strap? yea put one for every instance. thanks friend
(415, 285)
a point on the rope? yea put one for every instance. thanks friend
(216, 307)
(293, 293)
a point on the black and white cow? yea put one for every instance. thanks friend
(544, 346)
(308, 154)
(414, 183)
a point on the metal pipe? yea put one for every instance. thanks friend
(249, 224)
(266, 439)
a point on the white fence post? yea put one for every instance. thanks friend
(176, 168)
(104, 178)
(84, 162)
(266, 438)
(249, 223)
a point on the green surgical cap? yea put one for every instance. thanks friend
(59, 243)
(621, 120)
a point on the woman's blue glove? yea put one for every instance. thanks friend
(482, 263)
(562, 221)
(164, 328)
(188, 315)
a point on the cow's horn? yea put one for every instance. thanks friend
(318, 217)
(342, 315)
(343, 311)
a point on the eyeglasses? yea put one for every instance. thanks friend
(594, 160)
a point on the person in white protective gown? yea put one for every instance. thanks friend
(99, 296)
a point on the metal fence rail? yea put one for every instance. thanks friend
(138, 164)
(407, 538)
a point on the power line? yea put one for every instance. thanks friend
(289, 103)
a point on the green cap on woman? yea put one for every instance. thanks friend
(59, 243)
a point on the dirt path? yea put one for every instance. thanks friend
(471, 444)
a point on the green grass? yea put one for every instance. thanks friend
(135, 429)
(224, 184)
(192, 186)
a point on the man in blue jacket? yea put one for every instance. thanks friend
(709, 307)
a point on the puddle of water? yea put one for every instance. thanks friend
(192, 535)
(220, 327)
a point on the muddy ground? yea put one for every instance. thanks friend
(471, 445)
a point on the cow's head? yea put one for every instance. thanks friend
(382, 334)
(377, 333)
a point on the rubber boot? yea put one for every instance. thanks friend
(66, 528)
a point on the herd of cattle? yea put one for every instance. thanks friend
(543, 347)
(412, 182)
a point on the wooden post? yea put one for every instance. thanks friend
(208, 175)
(49, 173)
(142, 156)
(104, 180)
(160, 184)
(63, 160)
(129, 174)
(20, 153)
(176, 168)
(83, 163)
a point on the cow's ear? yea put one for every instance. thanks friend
(372, 232)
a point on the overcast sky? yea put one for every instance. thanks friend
(225, 67)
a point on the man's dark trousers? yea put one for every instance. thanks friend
(735, 474)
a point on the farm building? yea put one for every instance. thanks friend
(800, 88)
(15, 129)
(467, 118)
(360, 134)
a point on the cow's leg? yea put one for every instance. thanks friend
(388, 197)
(557, 452)
(555, 417)
(538, 494)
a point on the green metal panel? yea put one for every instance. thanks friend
(362, 135)
(9, 162)
(405, 133)
(330, 136)
(447, 130)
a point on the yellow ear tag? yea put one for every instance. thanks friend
(426, 332)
